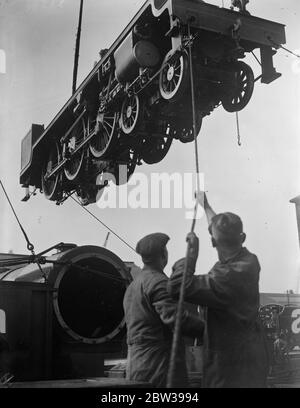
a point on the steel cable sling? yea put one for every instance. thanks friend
(38, 259)
(30, 246)
(179, 313)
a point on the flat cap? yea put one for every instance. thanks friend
(227, 225)
(152, 245)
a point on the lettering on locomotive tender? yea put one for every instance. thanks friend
(2, 322)
(296, 322)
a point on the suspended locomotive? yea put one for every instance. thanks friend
(137, 98)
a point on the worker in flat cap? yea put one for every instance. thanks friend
(150, 317)
(235, 354)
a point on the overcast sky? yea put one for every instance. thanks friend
(256, 180)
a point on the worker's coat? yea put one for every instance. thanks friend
(150, 316)
(234, 348)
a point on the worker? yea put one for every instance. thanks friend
(150, 318)
(234, 352)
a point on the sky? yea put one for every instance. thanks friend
(255, 180)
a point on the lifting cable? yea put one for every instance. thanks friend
(276, 45)
(238, 129)
(30, 246)
(104, 225)
(179, 313)
(177, 329)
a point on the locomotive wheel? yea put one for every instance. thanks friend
(74, 164)
(50, 186)
(173, 78)
(184, 128)
(129, 158)
(241, 88)
(154, 149)
(105, 134)
(130, 113)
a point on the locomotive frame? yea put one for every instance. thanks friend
(136, 100)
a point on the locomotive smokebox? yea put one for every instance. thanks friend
(87, 286)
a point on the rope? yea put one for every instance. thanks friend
(30, 246)
(104, 225)
(238, 129)
(179, 314)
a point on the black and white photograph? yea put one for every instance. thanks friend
(149, 197)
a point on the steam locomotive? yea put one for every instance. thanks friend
(137, 98)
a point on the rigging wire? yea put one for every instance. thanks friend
(104, 225)
(238, 129)
(179, 313)
(30, 246)
(276, 45)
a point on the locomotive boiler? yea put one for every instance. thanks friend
(137, 98)
(65, 319)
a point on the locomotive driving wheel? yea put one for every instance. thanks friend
(173, 78)
(241, 87)
(154, 149)
(130, 113)
(105, 134)
(74, 163)
(50, 186)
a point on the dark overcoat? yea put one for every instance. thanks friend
(235, 354)
(150, 317)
